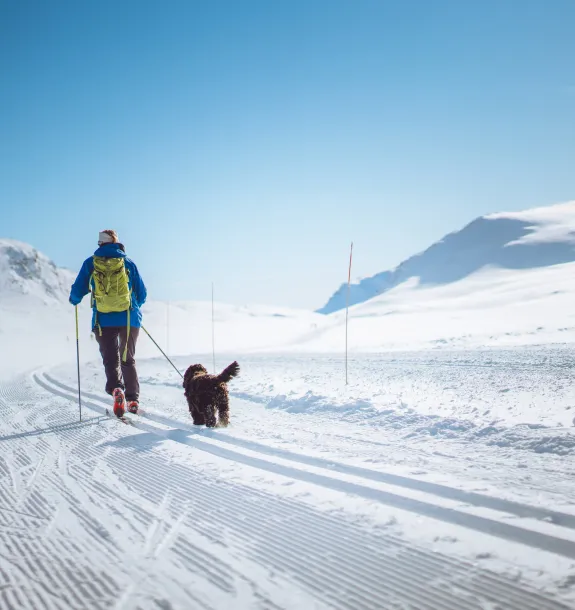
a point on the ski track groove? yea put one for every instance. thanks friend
(29, 578)
(199, 559)
(66, 592)
(309, 536)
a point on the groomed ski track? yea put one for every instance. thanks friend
(95, 515)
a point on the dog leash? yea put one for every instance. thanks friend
(147, 333)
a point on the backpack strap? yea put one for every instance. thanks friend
(125, 354)
(92, 281)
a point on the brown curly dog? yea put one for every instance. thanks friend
(207, 395)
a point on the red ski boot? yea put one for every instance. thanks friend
(119, 402)
(133, 407)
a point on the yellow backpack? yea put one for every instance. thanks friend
(111, 290)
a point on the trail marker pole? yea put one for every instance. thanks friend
(347, 308)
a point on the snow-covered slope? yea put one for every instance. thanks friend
(25, 272)
(187, 326)
(531, 239)
(491, 307)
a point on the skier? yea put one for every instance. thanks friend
(118, 292)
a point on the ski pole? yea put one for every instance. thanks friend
(147, 333)
(78, 361)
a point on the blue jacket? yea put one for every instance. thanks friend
(81, 287)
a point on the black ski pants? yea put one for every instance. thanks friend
(119, 374)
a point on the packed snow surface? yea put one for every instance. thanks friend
(440, 476)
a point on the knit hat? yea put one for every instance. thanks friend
(107, 236)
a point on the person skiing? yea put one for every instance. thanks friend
(118, 293)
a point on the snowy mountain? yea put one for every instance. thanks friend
(25, 272)
(531, 239)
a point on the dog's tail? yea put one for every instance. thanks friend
(229, 372)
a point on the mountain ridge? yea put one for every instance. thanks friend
(538, 237)
(25, 271)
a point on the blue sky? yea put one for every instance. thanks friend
(247, 143)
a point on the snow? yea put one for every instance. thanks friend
(532, 239)
(548, 224)
(493, 307)
(26, 272)
(440, 476)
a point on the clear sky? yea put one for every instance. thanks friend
(248, 142)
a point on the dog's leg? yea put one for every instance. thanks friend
(211, 416)
(223, 408)
(199, 419)
(197, 416)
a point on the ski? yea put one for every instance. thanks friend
(123, 419)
